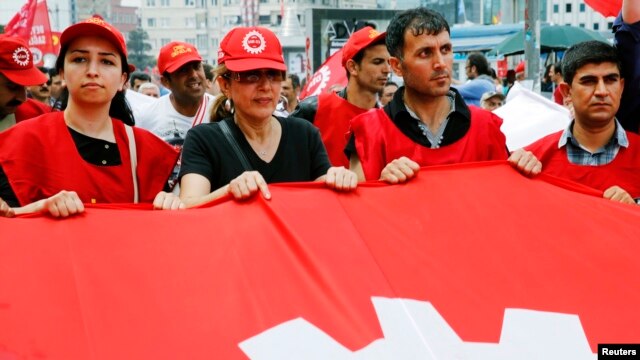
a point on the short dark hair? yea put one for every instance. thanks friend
(557, 68)
(208, 71)
(587, 52)
(295, 80)
(419, 20)
(480, 62)
(357, 58)
(138, 75)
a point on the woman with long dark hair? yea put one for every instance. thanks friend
(89, 152)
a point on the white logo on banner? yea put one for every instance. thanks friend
(415, 330)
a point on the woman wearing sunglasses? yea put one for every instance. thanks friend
(245, 146)
(89, 152)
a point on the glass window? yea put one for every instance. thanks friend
(567, 8)
(583, 7)
(610, 25)
(581, 25)
(165, 3)
(556, 8)
(151, 22)
(190, 22)
(596, 26)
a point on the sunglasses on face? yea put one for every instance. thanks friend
(254, 76)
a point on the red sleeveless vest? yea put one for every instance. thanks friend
(623, 171)
(332, 118)
(40, 159)
(379, 141)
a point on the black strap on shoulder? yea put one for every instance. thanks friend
(234, 145)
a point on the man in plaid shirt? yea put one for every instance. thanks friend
(594, 149)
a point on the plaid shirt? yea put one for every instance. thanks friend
(578, 155)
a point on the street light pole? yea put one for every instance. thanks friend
(532, 42)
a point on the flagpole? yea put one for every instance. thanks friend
(532, 42)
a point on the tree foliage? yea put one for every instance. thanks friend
(138, 49)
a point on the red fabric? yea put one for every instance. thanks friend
(40, 159)
(330, 74)
(332, 118)
(557, 97)
(605, 7)
(31, 23)
(379, 141)
(194, 284)
(30, 109)
(623, 171)
(21, 23)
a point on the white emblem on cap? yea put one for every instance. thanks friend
(254, 42)
(21, 56)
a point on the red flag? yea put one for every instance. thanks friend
(32, 24)
(605, 7)
(329, 75)
(21, 23)
(512, 268)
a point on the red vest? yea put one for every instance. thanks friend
(379, 141)
(30, 109)
(40, 159)
(332, 118)
(623, 171)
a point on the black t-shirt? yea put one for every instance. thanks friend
(300, 155)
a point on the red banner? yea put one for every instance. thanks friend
(605, 7)
(328, 76)
(32, 24)
(471, 261)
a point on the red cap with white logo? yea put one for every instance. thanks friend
(250, 48)
(16, 62)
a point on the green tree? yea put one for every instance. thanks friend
(138, 47)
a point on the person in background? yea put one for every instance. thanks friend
(149, 89)
(480, 80)
(626, 28)
(291, 90)
(245, 146)
(41, 92)
(138, 78)
(555, 72)
(594, 149)
(427, 122)
(16, 73)
(546, 83)
(520, 71)
(366, 60)
(387, 93)
(89, 152)
(212, 85)
(491, 100)
(57, 87)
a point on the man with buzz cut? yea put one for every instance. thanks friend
(427, 122)
(366, 60)
(171, 116)
(594, 149)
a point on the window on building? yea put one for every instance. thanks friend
(151, 2)
(264, 1)
(583, 7)
(581, 25)
(567, 8)
(151, 22)
(190, 22)
(214, 2)
(165, 3)
(556, 8)
(213, 21)
(191, 41)
(596, 26)
(610, 25)
(189, 2)
(164, 22)
(264, 19)
(164, 41)
(202, 41)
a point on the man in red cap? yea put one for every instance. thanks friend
(366, 60)
(16, 72)
(171, 116)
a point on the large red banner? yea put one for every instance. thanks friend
(330, 75)
(469, 261)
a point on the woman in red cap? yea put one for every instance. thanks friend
(245, 146)
(88, 153)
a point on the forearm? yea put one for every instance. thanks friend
(193, 201)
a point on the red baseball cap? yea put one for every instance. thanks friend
(249, 48)
(359, 40)
(175, 54)
(94, 26)
(16, 62)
